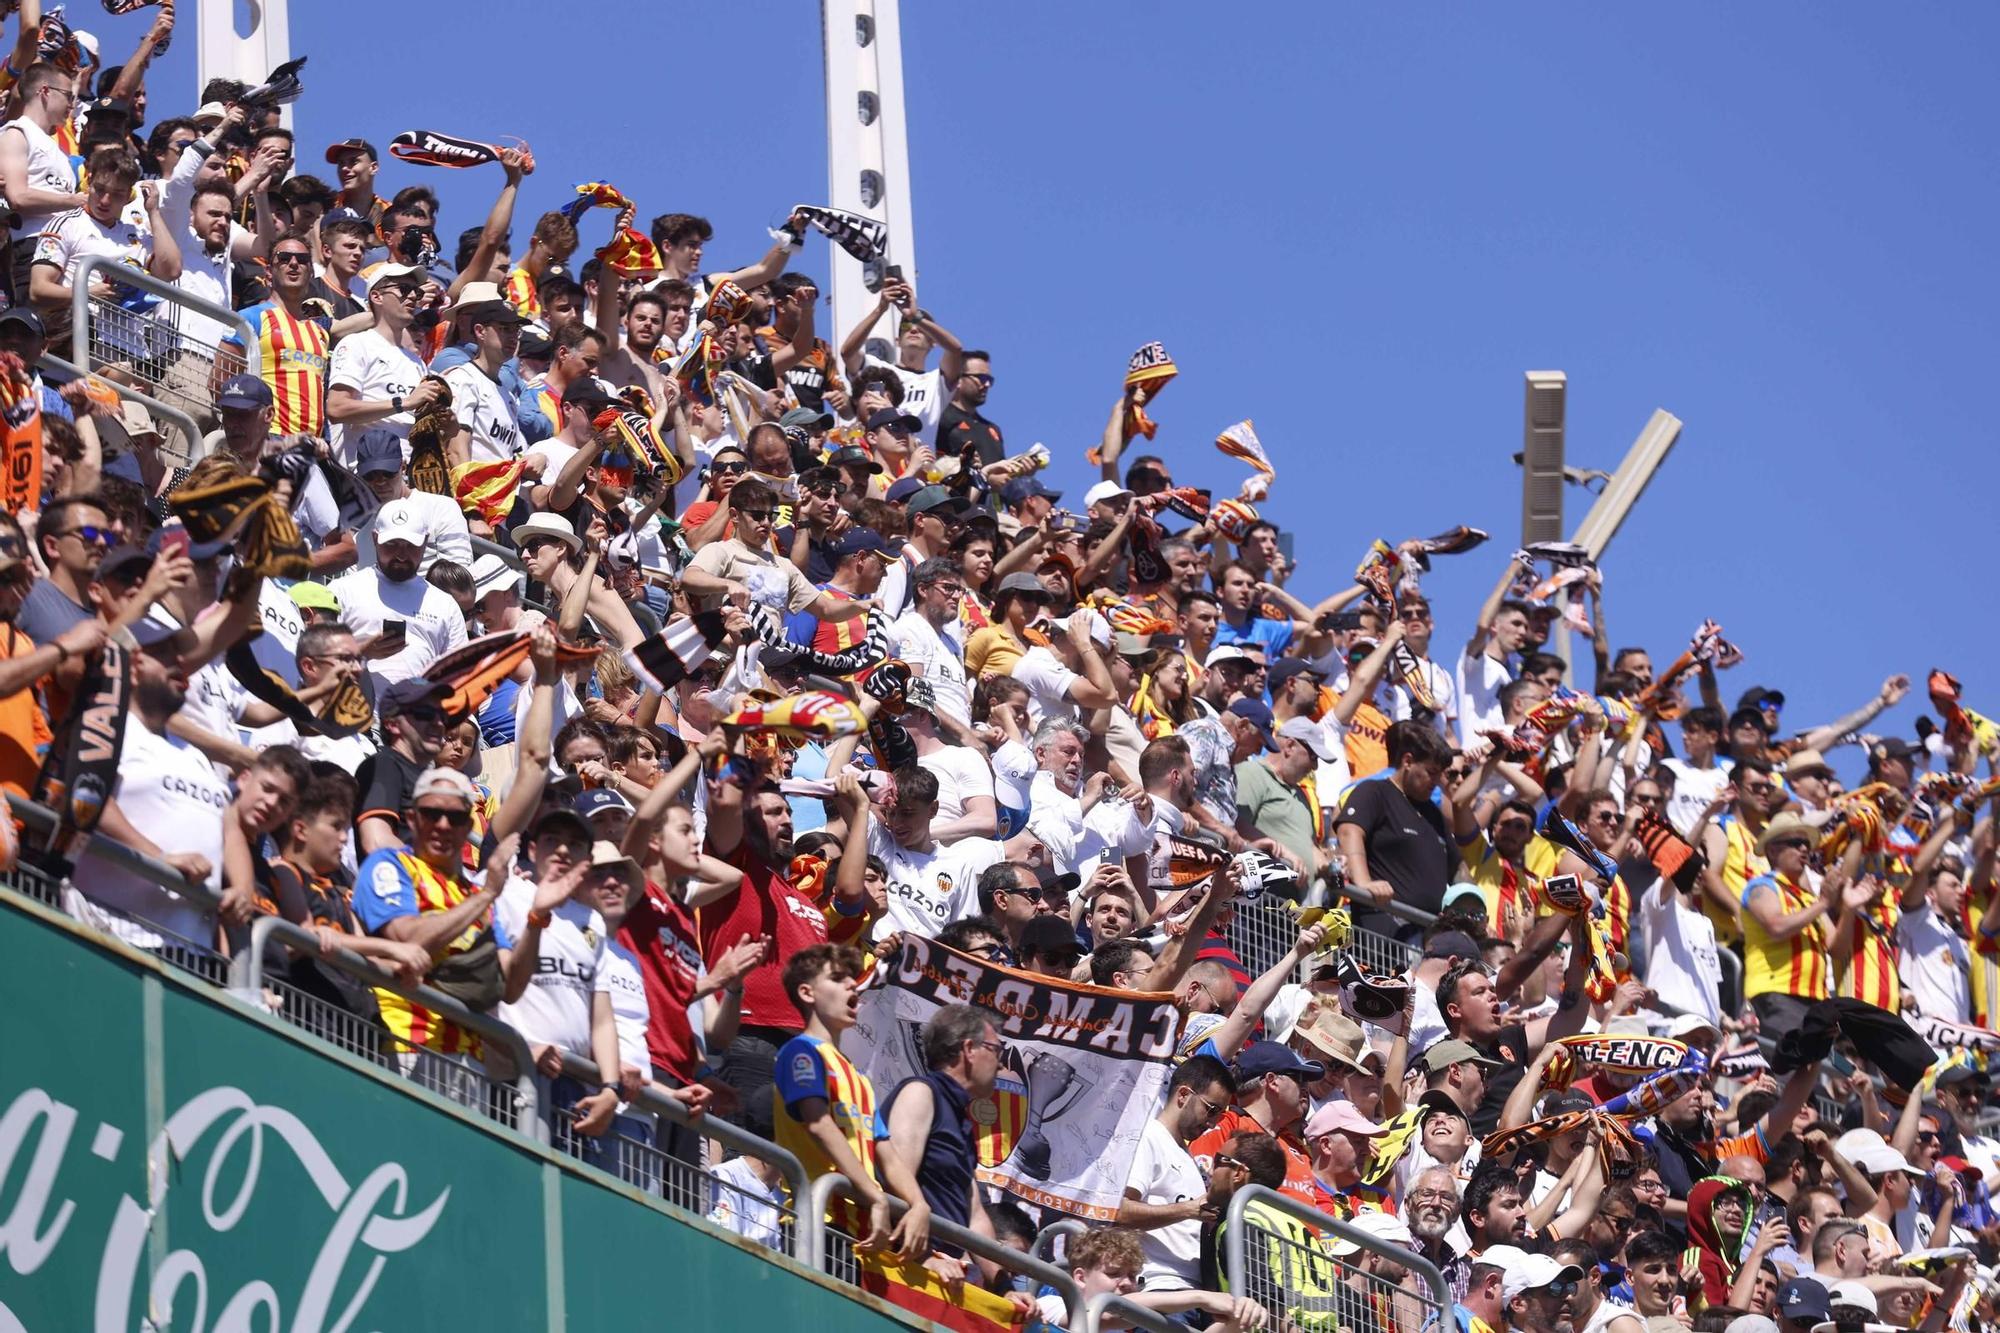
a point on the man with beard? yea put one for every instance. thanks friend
(1493, 1210)
(1165, 1195)
(1682, 1138)
(1587, 1310)
(1537, 1290)
(1730, 844)
(167, 796)
(380, 466)
(960, 423)
(1271, 1095)
(1430, 1207)
(414, 727)
(394, 590)
(751, 829)
(627, 360)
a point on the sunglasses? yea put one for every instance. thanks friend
(91, 535)
(430, 814)
(757, 515)
(290, 257)
(987, 380)
(729, 468)
(1224, 1159)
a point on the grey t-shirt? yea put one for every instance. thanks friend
(47, 611)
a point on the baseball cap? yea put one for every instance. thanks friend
(590, 393)
(1893, 747)
(1527, 1272)
(857, 541)
(599, 799)
(124, 562)
(1285, 668)
(1852, 1293)
(1225, 652)
(889, 416)
(406, 695)
(1444, 1054)
(934, 498)
(1268, 1057)
(1102, 491)
(1027, 585)
(1803, 1298)
(244, 393)
(1957, 1074)
(399, 522)
(491, 312)
(378, 450)
(1023, 489)
(383, 272)
(1880, 1159)
(334, 151)
(1309, 734)
(1343, 1116)
(1759, 697)
(853, 455)
(125, 466)
(806, 417)
(26, 317)
(1375, 1223)
(1463, 892)
(1049, 936)
(562, 819)
(438, 781)
(1257, 715)
(1451, 944)
(310, 596)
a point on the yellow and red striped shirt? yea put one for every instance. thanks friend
(292, 358)
(392, 882)
(1796, 966)
(523, 294)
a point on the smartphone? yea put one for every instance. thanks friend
(174, 540)
(395, 629)
(893, 273)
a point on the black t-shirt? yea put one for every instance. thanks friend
(1510, 1047)
(807, 376)
(386, 780)
(1408, 844)
(958, 427)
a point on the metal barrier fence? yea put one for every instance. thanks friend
(1052, 1241)
(171, 365)
(1302, 1281)
(184, 425)
(835, 1253)
(1126, 1311)
(1263, 934)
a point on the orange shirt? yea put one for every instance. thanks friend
(24, 731)
(1298, 1167)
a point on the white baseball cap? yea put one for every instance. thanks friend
(1687, 1023)
(1852, 1293)
(1310, 734)
(1226, 652)
(1380, 1225)
(398, 521)
(382, 271)
(1102, 491)
(435, 781)
(1526, 1272)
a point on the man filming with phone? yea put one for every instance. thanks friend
(924, 389)
(376, 598)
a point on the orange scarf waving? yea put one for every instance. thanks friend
(20, 436)
(1149, 371)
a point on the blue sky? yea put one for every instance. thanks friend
(1358, 226)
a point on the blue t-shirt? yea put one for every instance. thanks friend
(1274, 636)
(385, 892)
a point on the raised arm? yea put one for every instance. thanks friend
(1361, 685)
(531, 760)
(133, 76)
(1476, 645)
(493, 234)
(1827, 736)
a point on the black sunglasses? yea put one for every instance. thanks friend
(289, 257)
(731, 467)
(757, 515)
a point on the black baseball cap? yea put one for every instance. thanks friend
(889, 416)
(378, 450)
(244, 393)
(856, 541)
(1759, 697)
(1023, 489)
(1049, 937)
(853, 456)
(1285, 668)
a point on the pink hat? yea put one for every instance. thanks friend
(1342, 1115)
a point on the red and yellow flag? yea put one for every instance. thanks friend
(961, 1306)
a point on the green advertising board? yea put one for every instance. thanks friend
(170, 1160)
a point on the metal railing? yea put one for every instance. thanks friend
(834, 1254)
(1047, 1239)
(1307, 1285)
(191, 450)
(1127, 1311)
(1262, 937)
(513, 1101)
(104, 334)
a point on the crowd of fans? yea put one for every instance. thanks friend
(780, 657)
